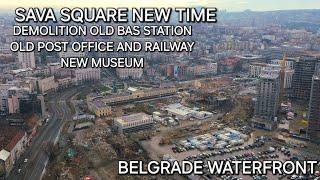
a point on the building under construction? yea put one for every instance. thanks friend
(314, 110)
(267, 100)
(302, 78)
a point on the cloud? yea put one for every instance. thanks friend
(242, 2)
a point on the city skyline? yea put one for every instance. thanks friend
(79, 98)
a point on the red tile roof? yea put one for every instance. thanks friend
(15, 140)
(229, 61)
(9, 136)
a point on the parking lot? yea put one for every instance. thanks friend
(248, 153)
(256, 148)
(260, 150)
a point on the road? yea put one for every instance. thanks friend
(37, 157)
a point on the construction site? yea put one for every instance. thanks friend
(91, 147)
(183, 121)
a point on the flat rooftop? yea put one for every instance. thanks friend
(99, 103)
(132, 118)
(271, 74)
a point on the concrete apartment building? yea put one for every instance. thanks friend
(288, 74)
(255, 69)
(70, 53)
(26, 60)
(125, 73)
(80, 75)
(86, 74)
(3, 101)
(46, 84)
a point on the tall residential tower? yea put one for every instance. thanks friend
(267, 102)
(314, 110)
(302, 77)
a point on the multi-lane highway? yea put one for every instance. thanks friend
(37, 158)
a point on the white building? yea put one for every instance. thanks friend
(255, 69)
(181, 112)
(125, 73)
(26, 60)
(80, 75)
(53, 67)
(212, 68)
(5, 48)
(70, 53)
(133, 122)
(289, 62)
(288, 78)
(86, 74)
(288, 74)
(5, 160)
(4, 101)
(47, 84)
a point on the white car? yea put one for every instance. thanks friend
(25, 160)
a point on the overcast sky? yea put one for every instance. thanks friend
(230, 5)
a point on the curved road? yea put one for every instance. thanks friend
(37, 157)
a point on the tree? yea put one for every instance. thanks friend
(50, 149)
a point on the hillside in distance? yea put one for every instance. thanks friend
(295, 19)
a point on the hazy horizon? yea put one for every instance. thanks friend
(229, 5)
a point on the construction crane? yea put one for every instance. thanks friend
(282, 77)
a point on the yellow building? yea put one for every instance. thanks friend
(138, 94)
(99, 108)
